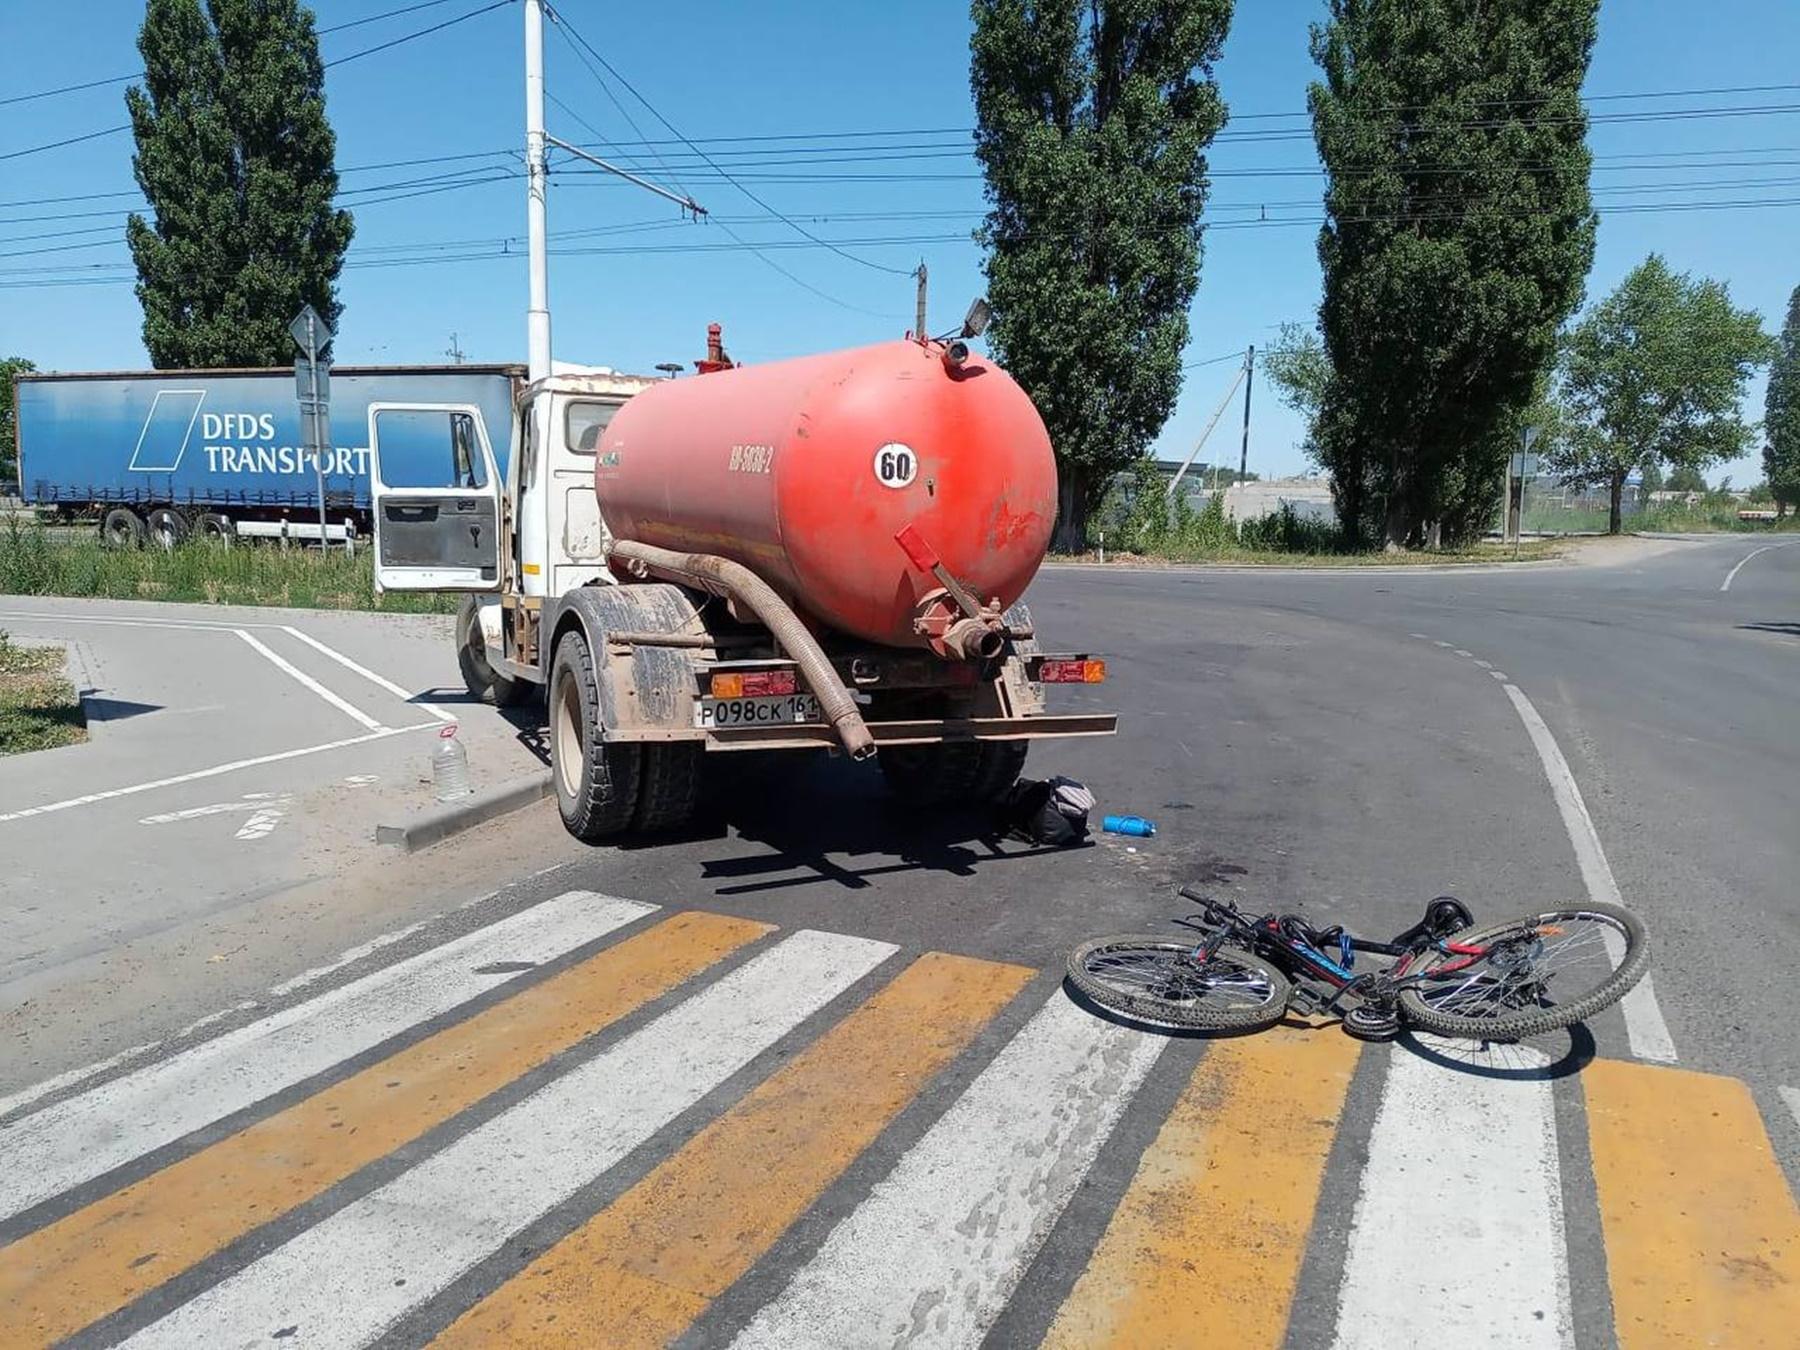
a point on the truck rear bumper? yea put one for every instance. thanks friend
(927, 731)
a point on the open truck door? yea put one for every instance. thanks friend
(436, 497)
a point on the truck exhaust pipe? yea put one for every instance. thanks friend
(739, 583)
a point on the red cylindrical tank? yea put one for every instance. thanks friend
(805, 470)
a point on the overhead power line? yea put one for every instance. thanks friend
(335, 61)
(574, 33)
(138, 74)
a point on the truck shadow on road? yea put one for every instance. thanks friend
(809, 821)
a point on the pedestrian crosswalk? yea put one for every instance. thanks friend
(600, 1123)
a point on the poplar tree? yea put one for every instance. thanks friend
(1093, 118)
(1458, 234)
(1781, 415)
(236, 157)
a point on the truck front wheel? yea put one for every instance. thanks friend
(479, 676)
(596, 781)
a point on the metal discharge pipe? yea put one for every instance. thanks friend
(741, 584)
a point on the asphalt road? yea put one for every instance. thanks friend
(880, 1121)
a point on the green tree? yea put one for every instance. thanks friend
(1092, 123)
(1300, 371)
(1686, 478)
(1654, 374)
(11, 367)
(236, 157)
(1458, 233)
(1781, 415)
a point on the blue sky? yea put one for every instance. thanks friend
(778, 69)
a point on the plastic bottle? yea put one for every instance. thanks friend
(449, 767)
(1128, 825)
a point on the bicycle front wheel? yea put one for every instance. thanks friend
(1534, 975)
(1159, 981)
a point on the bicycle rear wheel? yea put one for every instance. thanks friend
(1157, 980)
(1539, 973)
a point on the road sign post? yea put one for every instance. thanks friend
(312, 380)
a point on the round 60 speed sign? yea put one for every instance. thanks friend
(895, 465)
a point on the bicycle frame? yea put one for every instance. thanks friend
(1274, 937)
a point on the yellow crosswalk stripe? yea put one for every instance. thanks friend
(1702, 1232)
(640, 1271)
(66, 1275)
(1206, 1243)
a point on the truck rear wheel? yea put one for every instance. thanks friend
(596, 781)
(479, 676)
(122, 528)
(668, 786)
(958, 773)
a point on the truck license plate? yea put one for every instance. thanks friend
(783, 709)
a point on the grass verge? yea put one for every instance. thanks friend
(39, 709)
(200, 572)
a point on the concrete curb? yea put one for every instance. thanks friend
(441, 822)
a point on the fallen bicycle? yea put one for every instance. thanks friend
(1239, 973)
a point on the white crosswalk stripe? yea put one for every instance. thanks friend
(76, 1140)
(1460, 1213)
(933, 1254)
(345, 1280)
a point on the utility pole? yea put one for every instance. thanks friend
(537, 322)
(454, 351)
(919, 331)
(1249, 379)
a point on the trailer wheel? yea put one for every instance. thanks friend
(215, 528)
(479, 676)
(167, 527)
(122, 528)
(596, 781)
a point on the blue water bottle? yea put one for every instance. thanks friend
(1129, 825)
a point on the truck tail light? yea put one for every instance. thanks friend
(1073, 672)
(756, 684)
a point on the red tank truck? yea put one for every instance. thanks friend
(820, 553)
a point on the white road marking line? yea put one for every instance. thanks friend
(1423, 637)
(1792, 1097)
(347, 1279)
(202, 625)
(345, 958)
(1439, 642)
(368, 674)
(1500, 675)
(1469, 655)
(83, 1137)
(25, 1096)
(213, 772)
(260, 825)
(196, 812)
(1644, 1024)
(1460, 1212)
(287, 667)
(1731, 576)
(1485, 665)
(207, 626)
(934, 1252)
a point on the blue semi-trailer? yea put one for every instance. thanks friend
(170, 453)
